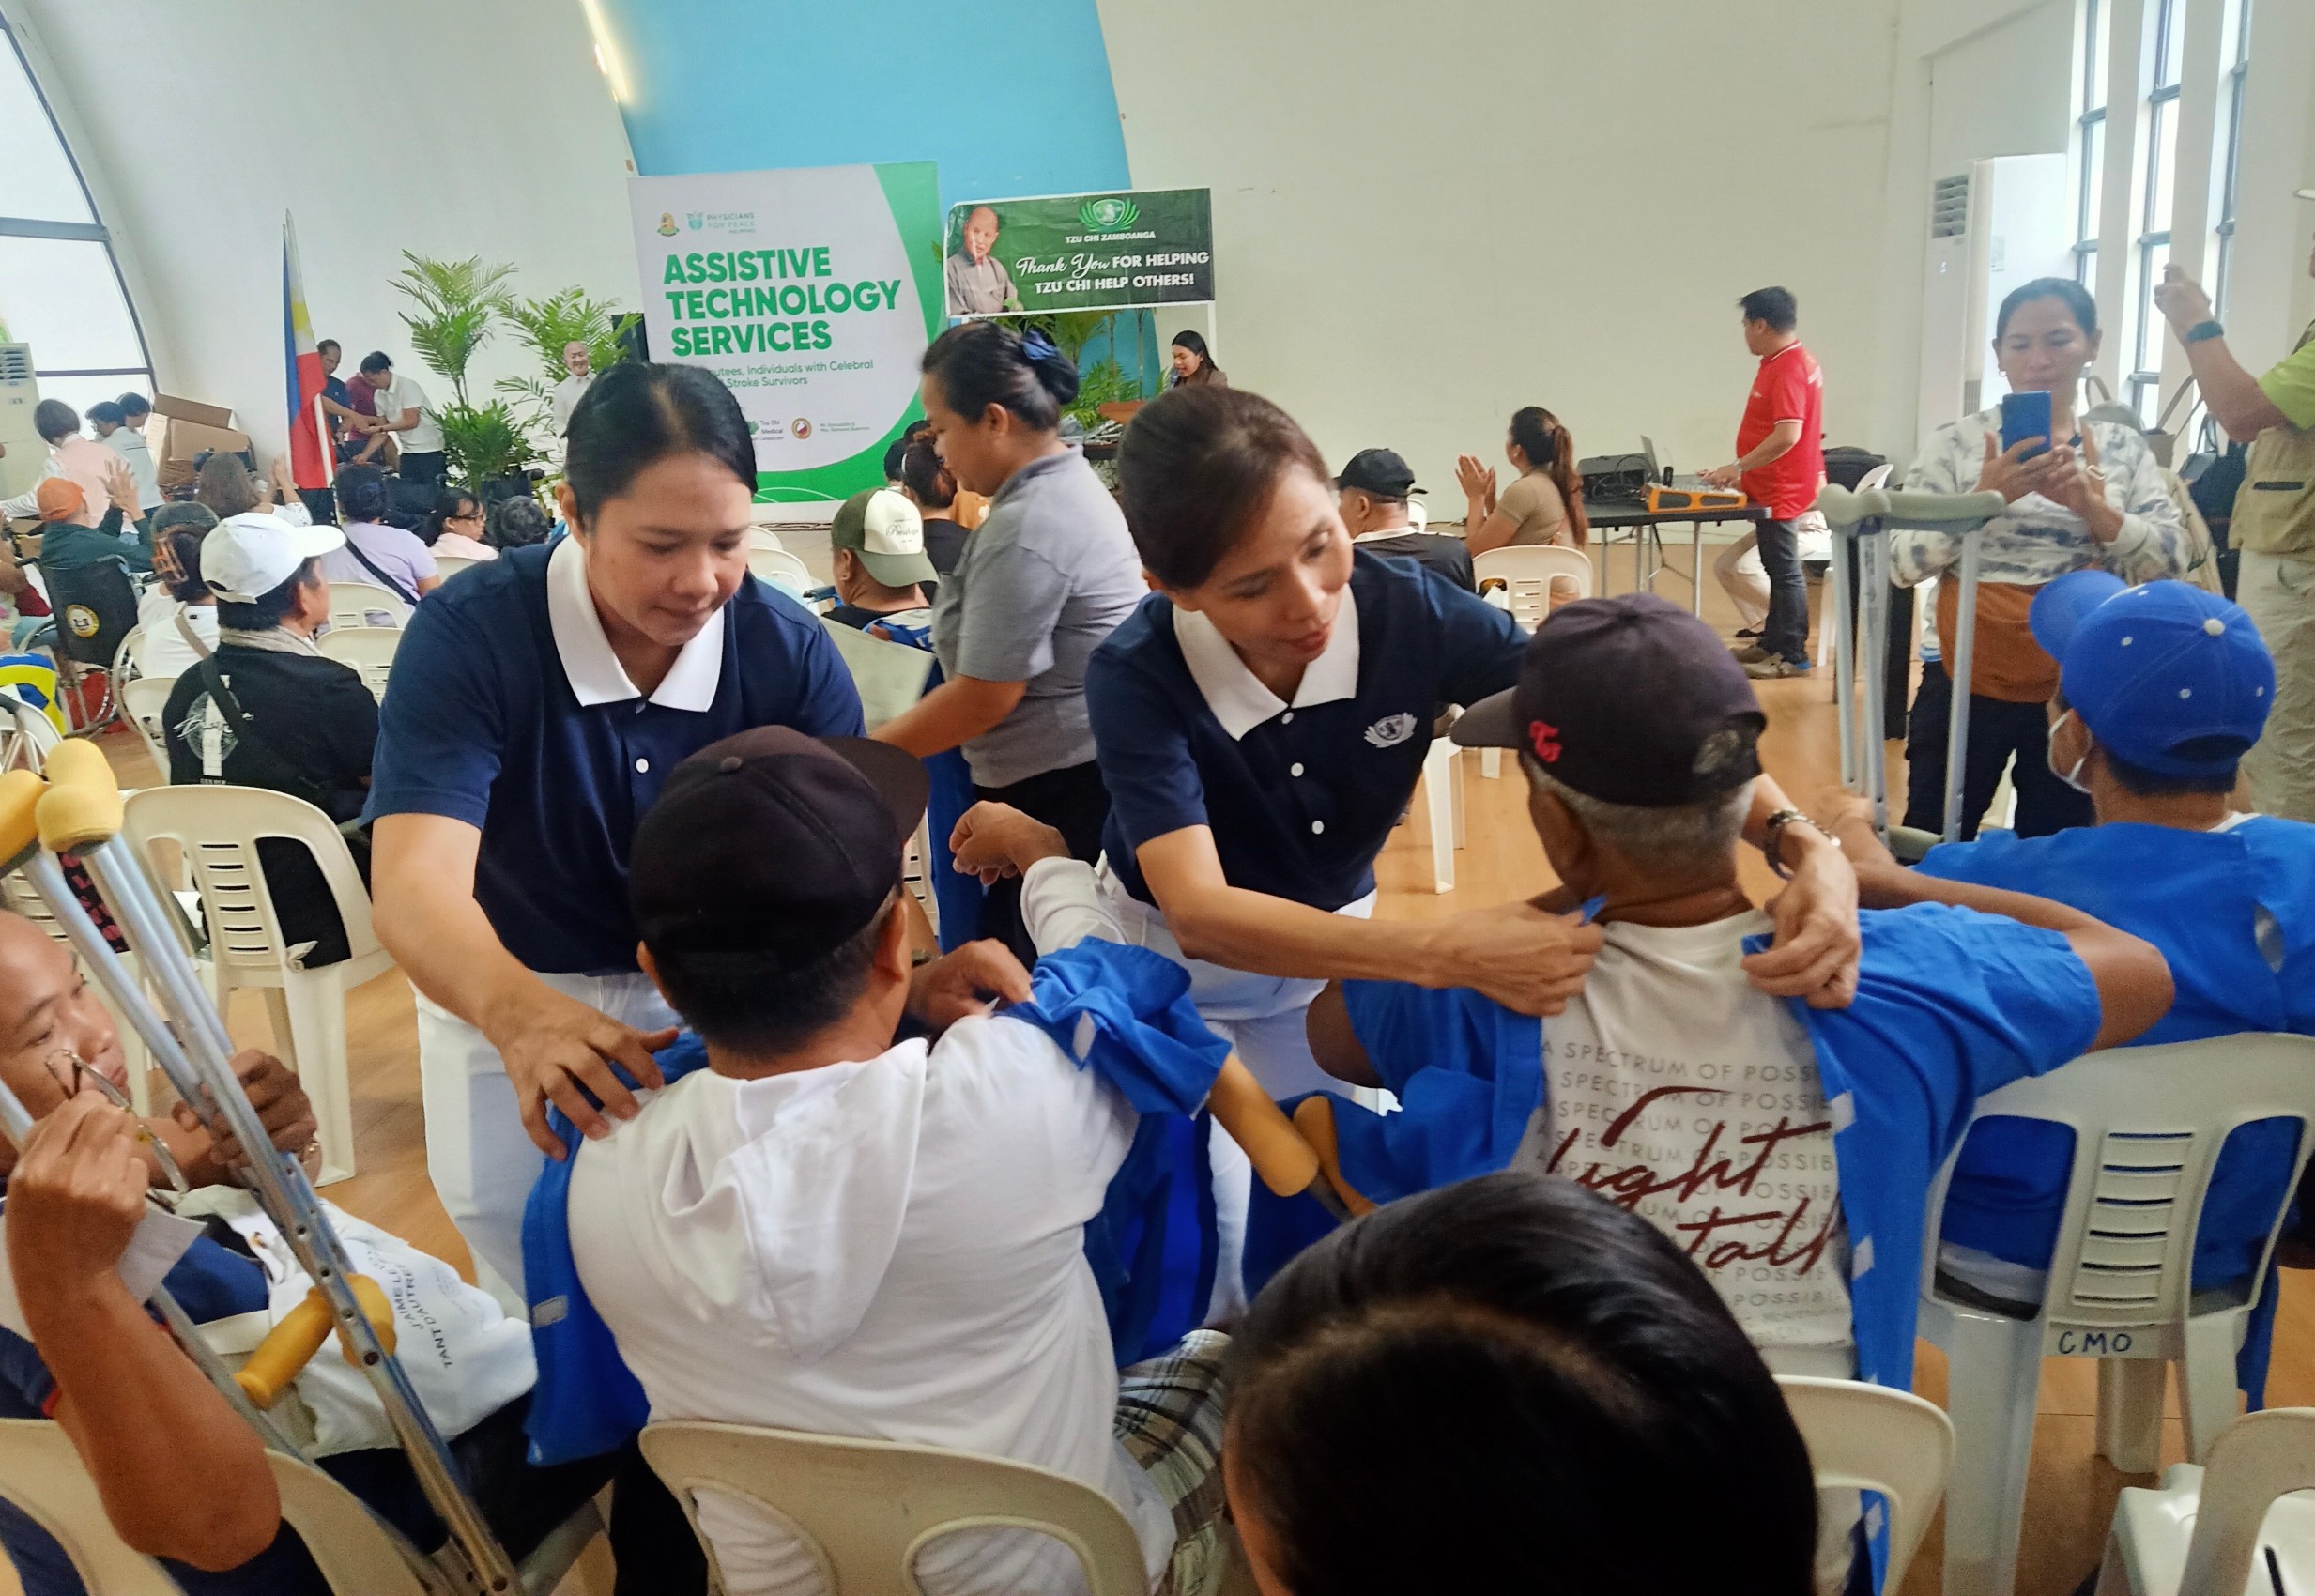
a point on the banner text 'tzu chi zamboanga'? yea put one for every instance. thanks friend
(763, 301)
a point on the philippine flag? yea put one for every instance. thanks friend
(309, 459)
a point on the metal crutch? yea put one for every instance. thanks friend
(78, 809)
(1866, 520)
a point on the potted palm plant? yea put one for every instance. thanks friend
(455, 304)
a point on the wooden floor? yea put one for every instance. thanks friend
(2071, 1499)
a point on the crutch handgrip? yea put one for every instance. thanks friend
(20, 803)
(1918, 511)
(291, 1344)
(1314, 1120)
(1285, 1161)
(81, 806)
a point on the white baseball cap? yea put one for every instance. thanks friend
(249, 555)
(887, 532)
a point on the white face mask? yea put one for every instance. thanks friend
(2071, 777)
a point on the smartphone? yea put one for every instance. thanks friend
(2025, 416)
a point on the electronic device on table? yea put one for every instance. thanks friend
(1623, 478)
(1662, 499)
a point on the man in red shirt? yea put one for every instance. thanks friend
(1780, 462)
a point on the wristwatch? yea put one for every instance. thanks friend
(2201, 330)
(1772, 844)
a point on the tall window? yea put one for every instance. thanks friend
(60, 288)
(2234, 52)
(2153, 244)
(2089, 144)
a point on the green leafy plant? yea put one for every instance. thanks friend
(485, 442)
(457, 302)
(1104, 382)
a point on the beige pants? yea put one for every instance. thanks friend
(2279, 592)
(1741, 573)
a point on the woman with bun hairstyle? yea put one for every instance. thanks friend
(1038, 588)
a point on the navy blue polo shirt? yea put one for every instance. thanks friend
(1300, 797)
(506, 709)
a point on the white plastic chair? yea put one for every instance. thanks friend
(867, 1508)
(1526, 572)
(2206, 1528)
(216, 830)
(1876, 478)
(764, 537)
(352, 603)
(449, 565)
(369, 650)
(1443, 797)
(1418, 514)
(1873, 1439)
(41, 1474)
(781, 569)
(2148, 1126)
(129, 659)
(142, 702)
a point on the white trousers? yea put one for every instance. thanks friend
(2279, 594)
(1741, 573)
(481, 1160)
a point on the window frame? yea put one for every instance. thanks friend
(2233, 89)
(87, 231)
(2090, 132)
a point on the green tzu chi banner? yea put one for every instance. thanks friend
(812, 293)
(1109, 251)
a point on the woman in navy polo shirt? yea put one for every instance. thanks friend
(536, 707)
(1262, 720)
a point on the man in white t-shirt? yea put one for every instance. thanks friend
(825, 1230)
(405, 411)
(564, 396)
(1788, 1149)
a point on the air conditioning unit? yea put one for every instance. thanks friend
(19, 393)
(1998, 225)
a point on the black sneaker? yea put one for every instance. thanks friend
(1748, 632)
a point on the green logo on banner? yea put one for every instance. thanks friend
(1109, 215)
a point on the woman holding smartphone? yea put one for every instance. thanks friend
(2084, 493)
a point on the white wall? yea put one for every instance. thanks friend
(1427, 218)
(2272, 298)
(488, 130)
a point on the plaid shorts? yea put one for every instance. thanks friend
(1169, 1420)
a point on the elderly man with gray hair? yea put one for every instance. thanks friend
(978, 284)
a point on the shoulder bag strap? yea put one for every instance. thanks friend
(387, 582)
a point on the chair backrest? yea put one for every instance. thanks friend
(449, 565)
(1527, 571)
(867, 1508)
(2148, 1126)
(1417, 514)
(143, 701)
(41, 1474)
(352, 603)
(357, 1554)
(2255, 1460)
(1877, 477)
(96, 607)
(369, 650)
(1873, 1439)
(27, 732)
(127, 659)
(764, 537)
(216, 830)
(781, 569)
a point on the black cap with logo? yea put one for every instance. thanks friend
(1380, 472)
(771, 849)
(1629, 700)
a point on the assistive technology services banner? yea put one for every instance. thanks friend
(812, 293)
(1107, 251)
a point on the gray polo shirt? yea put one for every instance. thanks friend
(978, 289)
(1039, 586)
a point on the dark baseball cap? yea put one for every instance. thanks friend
(771, 849)
(1629, 700)
(1380, 472)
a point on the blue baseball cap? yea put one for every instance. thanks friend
(2171, 678)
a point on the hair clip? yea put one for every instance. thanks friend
(1036, 349)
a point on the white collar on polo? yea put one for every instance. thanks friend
(1236, 695)
(595, 674)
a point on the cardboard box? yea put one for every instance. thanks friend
(186, 429)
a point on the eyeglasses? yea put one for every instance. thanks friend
(83, 1074)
